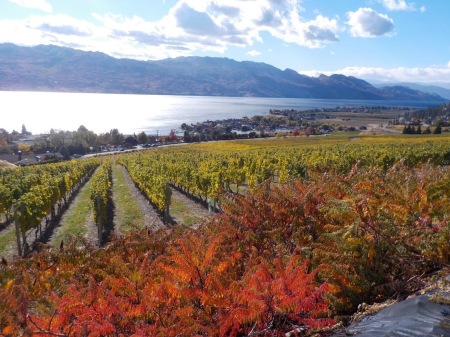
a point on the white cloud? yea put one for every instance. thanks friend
(366, 22)
(189, 26)
(240, 23)
(197, 23)
(42, 5)
(63, 30)
(253, 53)
(398, 5)
(432, 74)
(60, 25)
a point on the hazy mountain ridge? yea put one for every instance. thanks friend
(435, 89)
(52, 68)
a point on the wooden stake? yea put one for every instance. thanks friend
(16, 222)
(99, 225)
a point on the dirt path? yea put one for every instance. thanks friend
(78, 220)
(125, 193)
(185, 211)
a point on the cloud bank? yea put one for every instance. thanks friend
(401, 74)
(190, 25)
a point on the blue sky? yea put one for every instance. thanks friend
(377, 40)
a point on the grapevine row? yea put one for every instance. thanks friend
(209, 171)
(101, 196)
(14, 184)
(148, 177)
(40, 192)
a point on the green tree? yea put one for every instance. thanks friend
(187, 137)
(142, 138)
(116, 137)
(25, 131)
(404, 130)
(408, 130)
(82, 128)
(63, 150)
(59, 139)
(437, 130)
(85, 138)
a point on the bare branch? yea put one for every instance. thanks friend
(44, 332)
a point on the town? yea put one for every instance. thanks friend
(24, 148)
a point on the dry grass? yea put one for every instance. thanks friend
(5, 164)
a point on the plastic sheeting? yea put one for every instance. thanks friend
(412, 317)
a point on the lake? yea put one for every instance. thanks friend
(42, 111)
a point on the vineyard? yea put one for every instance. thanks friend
(34, 197)
(305, 230)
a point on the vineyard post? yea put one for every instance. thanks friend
(16, 222)
(99, 220)
(24, 234)
(209, 205)
(168, 195)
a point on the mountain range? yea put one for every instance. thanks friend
(442, 90)
(62, 69)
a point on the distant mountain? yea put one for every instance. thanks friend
(433, 89)
(52, 68)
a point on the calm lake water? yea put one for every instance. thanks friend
(42, 111)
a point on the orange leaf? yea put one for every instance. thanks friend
(8, 330)
(9, 284)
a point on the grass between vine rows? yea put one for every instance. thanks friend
(76, 220)
(128, 214)
(7, 241)
(183, 213)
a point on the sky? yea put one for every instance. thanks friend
(376, 40)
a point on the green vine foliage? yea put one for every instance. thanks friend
(101, 192)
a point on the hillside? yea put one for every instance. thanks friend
(52, 68)
(435, 89)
